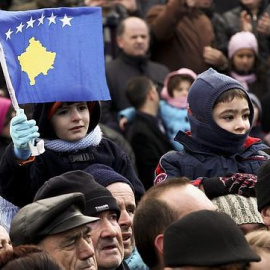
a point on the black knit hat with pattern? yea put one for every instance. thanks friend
(97, 198)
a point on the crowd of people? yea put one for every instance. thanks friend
(173, 172)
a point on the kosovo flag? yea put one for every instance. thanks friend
(54, 54)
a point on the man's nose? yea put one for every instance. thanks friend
(109, 229)
(86, 250)
(125, 219)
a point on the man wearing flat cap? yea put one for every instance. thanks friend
(99, 202)
(58, 226)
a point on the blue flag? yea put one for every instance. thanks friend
(54, 54)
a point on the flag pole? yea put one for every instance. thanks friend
(8, 81)
(39, 148)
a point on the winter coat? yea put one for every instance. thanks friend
(149, 144)
(174, 119)
(19, 183)
(179, 36)
(195, 161)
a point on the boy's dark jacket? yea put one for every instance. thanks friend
(195, 161)
(18, 184)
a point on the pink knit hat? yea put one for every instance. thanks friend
(4, 107)
(242, 40)
(176, 102)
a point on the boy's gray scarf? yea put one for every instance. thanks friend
(91, 139)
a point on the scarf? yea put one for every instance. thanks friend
(180, 102)
(244, 79)
(91, 139)
(7, 212)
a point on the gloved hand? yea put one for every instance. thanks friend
(23, 131)
(237, 183)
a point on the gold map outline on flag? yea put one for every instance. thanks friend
(36, 60)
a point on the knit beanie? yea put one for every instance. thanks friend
(97, 198)
(206, 238)
(242, 40)
(202, 95)
(105, 175)
(243, 210)
(176, 102)
(262, 188)
(4, 107)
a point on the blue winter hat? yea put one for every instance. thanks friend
(105, 175)
(206, 89)
(202, 96)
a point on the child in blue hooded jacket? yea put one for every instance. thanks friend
(220, 113)
(173, 106)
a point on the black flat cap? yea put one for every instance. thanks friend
(46, 217)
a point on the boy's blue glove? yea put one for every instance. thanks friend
(23, 132)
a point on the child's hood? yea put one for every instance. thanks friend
(165, 94)
(206, 89)
(181, 71)
(40, 114)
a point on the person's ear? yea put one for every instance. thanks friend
(152, 93)
(265, 213)
(159, 243)
(119, 41)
